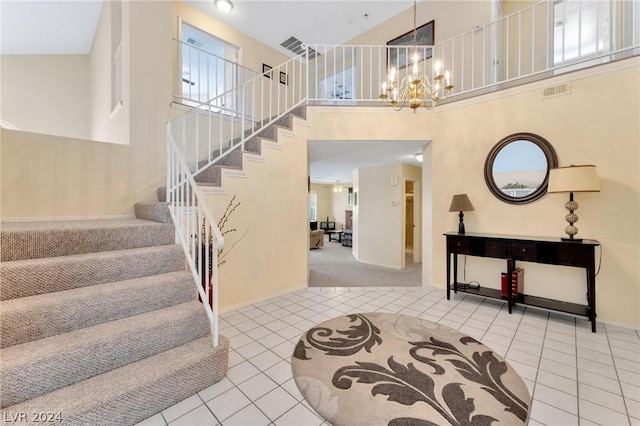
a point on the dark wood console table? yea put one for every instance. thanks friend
(553, 251)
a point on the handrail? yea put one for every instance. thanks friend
(206, 74)
(209, 133)
(196, 229)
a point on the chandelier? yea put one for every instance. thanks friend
(414, 89)
(337, 187)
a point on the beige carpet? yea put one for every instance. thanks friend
(334, 266)
(389, 369)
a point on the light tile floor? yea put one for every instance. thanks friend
(576, 377)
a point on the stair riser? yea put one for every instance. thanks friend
(72, 365)
(35, 244)
(156, 212)
(211, 175)
(39, 276)
(48, 316)
(105, 407)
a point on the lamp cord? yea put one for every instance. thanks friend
(599, 261)
(469, 284)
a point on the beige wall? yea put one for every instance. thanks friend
(340, 203)
(331, 204)
(273, 213)
(463, 134)
(105, 125)
(46, 94)
(324, 202)
(51, 176)
(451, 18)
(607, 136)
(48, 176)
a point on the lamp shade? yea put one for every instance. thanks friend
(574, 179)
(460, 203)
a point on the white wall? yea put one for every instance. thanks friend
(46, 94)
(106, 124)
(381, 215)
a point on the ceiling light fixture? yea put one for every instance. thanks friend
(337, 187)
(414, 89)
(418, 156)
(224, 6)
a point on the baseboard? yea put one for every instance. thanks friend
(261, 299)
(65, 218)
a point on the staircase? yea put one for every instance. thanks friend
(212, 175)
(100, 321)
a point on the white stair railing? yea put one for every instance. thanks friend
(203, 76)
(196, 230)
(209, 132)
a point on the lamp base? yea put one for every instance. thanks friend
(577, 240)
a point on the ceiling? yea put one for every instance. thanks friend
(31, 27)
(332, 161)
(311, 21)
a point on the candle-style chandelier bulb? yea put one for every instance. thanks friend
(416, 90)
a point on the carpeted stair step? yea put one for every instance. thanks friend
(24, 278)
(143, 388)
(156, 212)
(49, 314)
(33, 240)
(161, 192)
(42, 366)
(212, 175)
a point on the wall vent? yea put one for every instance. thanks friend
(298, 47)
(195, 42)
(559, 90)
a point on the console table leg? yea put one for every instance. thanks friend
(448, 276)
(455, 273)
(591, 297)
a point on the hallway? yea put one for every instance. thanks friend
(334, 266)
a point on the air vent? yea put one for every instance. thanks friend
(559, 90)
(298, 47)
(195, 42)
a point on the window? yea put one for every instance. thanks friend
(210, 69)
(580, 29)
(313, 206)
(339, 85)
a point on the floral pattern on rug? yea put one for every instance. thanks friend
(388, 369)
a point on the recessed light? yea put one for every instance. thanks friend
(224, 6)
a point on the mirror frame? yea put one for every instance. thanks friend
(549, 153)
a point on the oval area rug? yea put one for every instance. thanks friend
(388, 369)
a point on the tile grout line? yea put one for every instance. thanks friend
(624, 399)
(535, 382)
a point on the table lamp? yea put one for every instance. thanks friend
(573, 179)
(460, 203)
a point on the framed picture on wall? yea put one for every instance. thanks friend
(283, 78)
(266, 70)
(397, 51)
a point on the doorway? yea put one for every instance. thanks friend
(412, 228)
(409, 224)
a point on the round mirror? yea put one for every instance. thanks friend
(517, 168)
